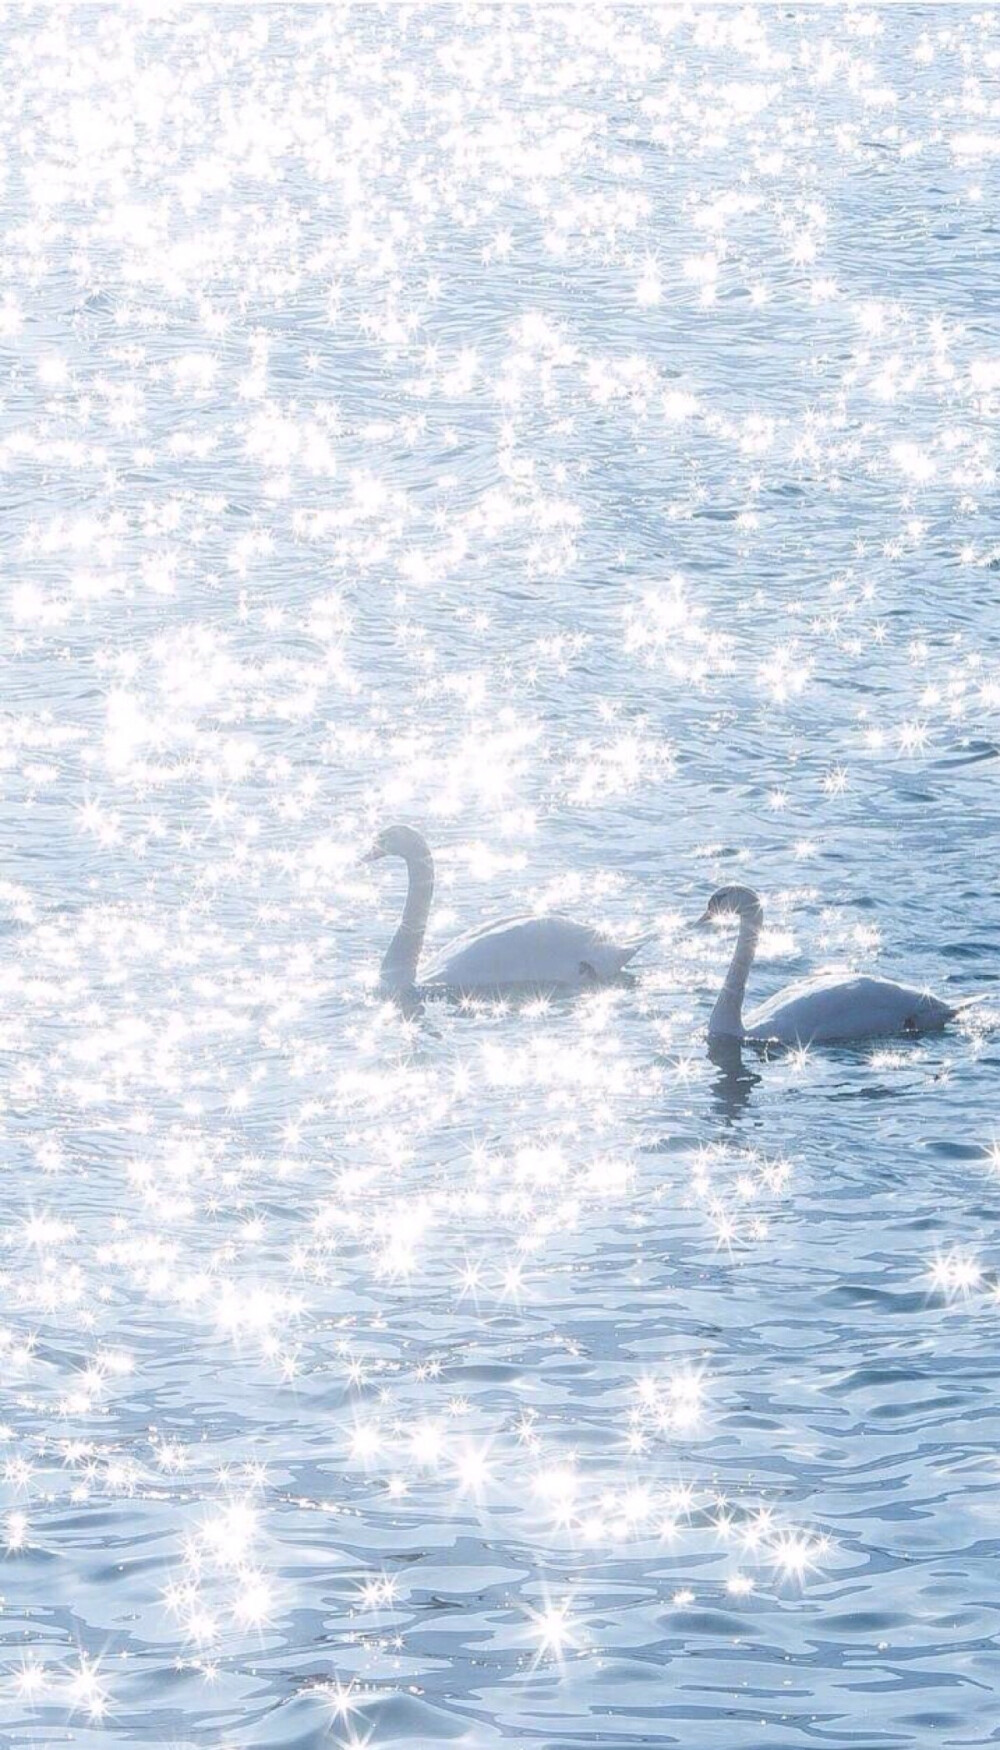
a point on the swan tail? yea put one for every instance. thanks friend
(631, 949)
(982, 996)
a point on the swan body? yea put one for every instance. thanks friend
(542, 952)
(837, 1007)
(830, 1009)
(534, 950)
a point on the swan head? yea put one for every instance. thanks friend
(397, 841)
(733, 902)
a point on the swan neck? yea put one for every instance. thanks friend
(727, 1016)
(399, 968)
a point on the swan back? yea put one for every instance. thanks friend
(532, 952)
(840, 1007)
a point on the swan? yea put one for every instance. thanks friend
(824, 1010)
(514, 952)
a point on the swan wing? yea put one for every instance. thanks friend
(528, 951)
(841, 1007)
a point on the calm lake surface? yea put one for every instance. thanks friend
(575, 433)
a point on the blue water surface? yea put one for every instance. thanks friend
(574, 431)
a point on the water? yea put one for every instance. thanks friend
(576, 434)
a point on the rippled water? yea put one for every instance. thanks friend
(575, 433)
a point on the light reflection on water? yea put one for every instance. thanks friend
(575, 433)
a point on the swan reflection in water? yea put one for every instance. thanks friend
(733, 1086)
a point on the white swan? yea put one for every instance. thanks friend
(826, 1010)
(547, 952)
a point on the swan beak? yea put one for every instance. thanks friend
(372, 856)
(701, 923)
